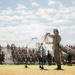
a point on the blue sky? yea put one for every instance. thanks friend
(21, 20)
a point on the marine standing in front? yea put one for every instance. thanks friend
(56, 49)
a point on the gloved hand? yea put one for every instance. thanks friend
(47, 33)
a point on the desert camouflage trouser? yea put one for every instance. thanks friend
(57, 57)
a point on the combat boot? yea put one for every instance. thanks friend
(58, 68)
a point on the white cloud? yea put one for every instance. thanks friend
(73, 2)
(21, 33)
(71, 30)
(6, 12)
(35, 4)
(51, 2)
(54, 2)
(20, 6)
(55, 15)
(68, 42)
(21, 24)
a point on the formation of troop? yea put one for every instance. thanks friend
(33, 56)
(21, 55)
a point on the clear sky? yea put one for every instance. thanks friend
(21, 20)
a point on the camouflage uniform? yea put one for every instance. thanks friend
(56, 41)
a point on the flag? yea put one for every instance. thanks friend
(46, 39)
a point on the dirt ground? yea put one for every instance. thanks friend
(34, 70)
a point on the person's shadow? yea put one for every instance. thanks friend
(59, 69)
(44, 69)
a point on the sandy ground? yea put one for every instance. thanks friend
(34, 70)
